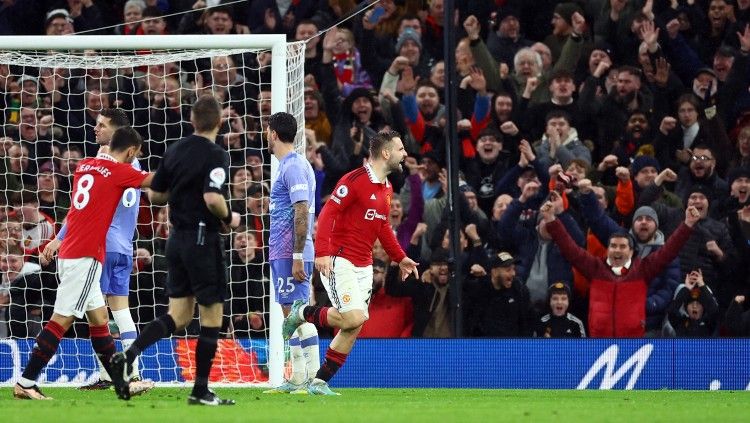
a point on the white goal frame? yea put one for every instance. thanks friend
(275, 42)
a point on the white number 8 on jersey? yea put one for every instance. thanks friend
(82, 196)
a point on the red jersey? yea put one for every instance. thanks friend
(355, 216)
(98, 185)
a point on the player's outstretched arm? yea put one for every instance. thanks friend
(158, 198)
(146, 183)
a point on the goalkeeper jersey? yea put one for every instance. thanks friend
(355, 216)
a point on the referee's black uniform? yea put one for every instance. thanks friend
(195, 258)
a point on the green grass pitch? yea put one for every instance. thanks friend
(385, 405)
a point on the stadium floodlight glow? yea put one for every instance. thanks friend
(125, 71)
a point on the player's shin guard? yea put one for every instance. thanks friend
(333, 362)
(299, 375)
(205, 350)
(316, 315)
(159, 328)
(103, 344)
(128, 333)
(308, 337)
(44, 348)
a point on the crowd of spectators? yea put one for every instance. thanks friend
(622, 112)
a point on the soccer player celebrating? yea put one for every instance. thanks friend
(348, 225)
(115, 280)
(290, 245)
(98, 185)
(192, 176)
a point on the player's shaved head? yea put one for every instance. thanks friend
(124, 138)
(206, 114)
(285, 126)
(117, 117)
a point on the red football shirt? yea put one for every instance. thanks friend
(98, 185)
(355, 216)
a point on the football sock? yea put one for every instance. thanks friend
(44, 348)
(308, 336)
(159, 328)
(333, 362)
(128, 333)
(316, 315)
(103, 344)
(299, 375)
(205, 351)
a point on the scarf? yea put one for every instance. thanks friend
(620, 270)
(537, 281)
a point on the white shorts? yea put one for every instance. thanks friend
(349, 287)
(79, 289)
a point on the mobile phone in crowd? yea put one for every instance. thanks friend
(377, 13)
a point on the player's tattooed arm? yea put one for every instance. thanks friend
(301, 216)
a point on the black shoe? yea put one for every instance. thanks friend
(99, 385)
(120, 373)
(209, 399)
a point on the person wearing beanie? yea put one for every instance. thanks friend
(558, 323)
(562, 27)
(710, 247)
(694, 312)
(506, 36)
(648, 239)
(409, 45)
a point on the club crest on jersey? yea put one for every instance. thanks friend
(217, 176)
(342, 191)
(388, 200)
(346, 298)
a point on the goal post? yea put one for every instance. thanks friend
(125, 59)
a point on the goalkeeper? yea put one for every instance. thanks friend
(290, 245)
(115, 280)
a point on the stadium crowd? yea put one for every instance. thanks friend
(621, 112)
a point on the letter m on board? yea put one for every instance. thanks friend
(608, 360)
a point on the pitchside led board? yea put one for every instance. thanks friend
(457, 363)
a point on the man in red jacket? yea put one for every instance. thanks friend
(618, 283)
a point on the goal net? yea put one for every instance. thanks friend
(50, 98)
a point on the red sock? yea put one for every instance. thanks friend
(333, 362)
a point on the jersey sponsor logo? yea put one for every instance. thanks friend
(217, 176)
(342, 191)
(298, 187)
(372, 197)
(372, 214)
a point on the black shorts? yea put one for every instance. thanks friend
(194, 269)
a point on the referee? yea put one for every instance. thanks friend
(193, 176)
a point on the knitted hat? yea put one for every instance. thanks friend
(644, 161)
(603, 46)
(408, 34)
(559, 287)
(439, 256)
(505, 12)
(646, 211)
(566, 11)
(700, 189)
(738, 172)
